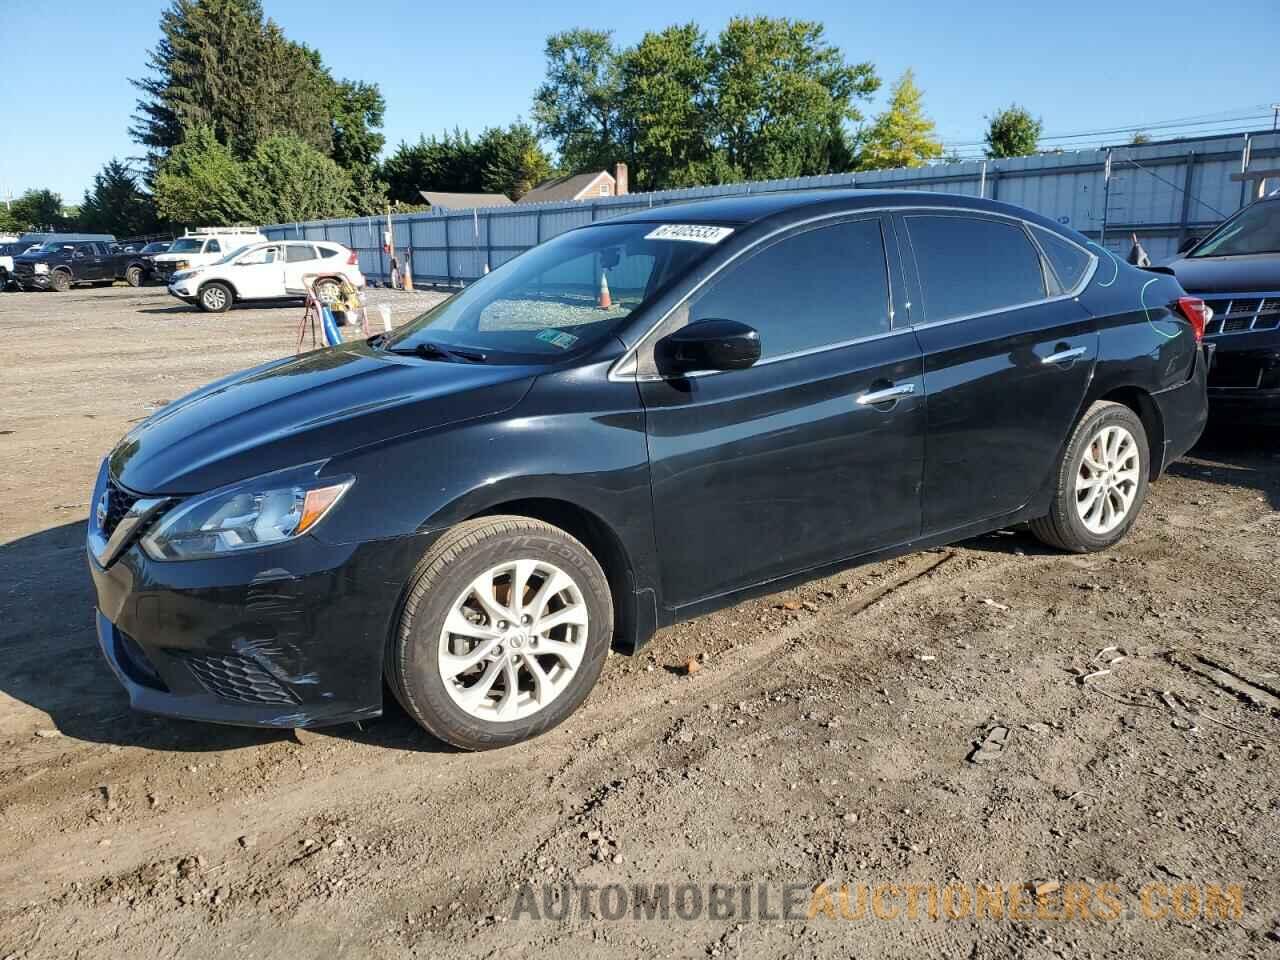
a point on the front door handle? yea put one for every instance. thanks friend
(886, 395)
(1062, 356)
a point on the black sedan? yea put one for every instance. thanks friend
(634, 423)
(1236, 269)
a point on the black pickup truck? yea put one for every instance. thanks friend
(61, 264)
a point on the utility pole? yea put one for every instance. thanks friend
(1275, 117)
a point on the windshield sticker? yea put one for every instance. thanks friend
(557, 338)
(691, 232)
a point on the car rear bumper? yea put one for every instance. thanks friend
(1184, 410)
(291, 636)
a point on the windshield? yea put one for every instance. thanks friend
(186, 245)
(563, 295)
(54, 246)
(1256, 229)
(233, 254)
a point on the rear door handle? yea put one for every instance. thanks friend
(1064, 355)
(887, 394)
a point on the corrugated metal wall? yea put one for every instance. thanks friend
(1163, 192)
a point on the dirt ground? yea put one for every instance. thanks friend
(828, 737)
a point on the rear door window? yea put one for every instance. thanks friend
(818, 288)
(972, 265)
(299, 252)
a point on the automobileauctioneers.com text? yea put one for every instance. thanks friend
(1044, 902)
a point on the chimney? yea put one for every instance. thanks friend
(619, 179)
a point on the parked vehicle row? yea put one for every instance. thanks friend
(62, 264)
(475, 507)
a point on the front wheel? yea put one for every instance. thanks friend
(60, 281)
(215, 297)
(134, 276)
(503, 633)
(1102, 482)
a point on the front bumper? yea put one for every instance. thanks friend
(31, 281)
(287, 636)
(1245, 382)
(183, 292)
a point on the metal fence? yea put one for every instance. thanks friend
(1163, 192)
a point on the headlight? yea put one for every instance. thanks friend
(41, 268)
(244, 516)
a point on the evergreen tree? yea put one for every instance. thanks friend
(117, 205)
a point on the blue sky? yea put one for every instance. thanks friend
(1081, 67)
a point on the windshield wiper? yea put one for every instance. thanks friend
(433, 351)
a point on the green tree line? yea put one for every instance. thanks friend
(240, 124)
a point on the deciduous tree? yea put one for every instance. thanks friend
(902, 136)
(1013, 132)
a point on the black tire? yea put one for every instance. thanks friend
(1063, 527)
(134, 276)
(453, 562)
(60, 281)
(215, 297)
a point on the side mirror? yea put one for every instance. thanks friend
(1188, 243)
(79, 255)
(708, 345)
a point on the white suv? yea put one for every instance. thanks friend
(199, 248)
(273, 270)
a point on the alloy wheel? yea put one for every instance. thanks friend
(513, 640)
(215, 298)
(1107, 482)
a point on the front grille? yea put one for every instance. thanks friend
(119, 500)
(1243, 314)
(233, 677)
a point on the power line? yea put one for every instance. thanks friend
(1132, 127)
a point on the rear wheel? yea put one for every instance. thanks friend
(133, 276)
(215, 297)
(503, 633)
(1102, 482)
(60, 281)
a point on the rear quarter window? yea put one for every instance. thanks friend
(1068, 262)
(970, 265)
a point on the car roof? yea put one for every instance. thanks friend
(744, 210)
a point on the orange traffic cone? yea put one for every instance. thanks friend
(606, 301)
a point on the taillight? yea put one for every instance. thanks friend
(353, 260)
(1197, 314)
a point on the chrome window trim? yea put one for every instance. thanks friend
(625, 368)
(1071, 295)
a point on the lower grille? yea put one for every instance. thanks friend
(233, 677)
(135, 663)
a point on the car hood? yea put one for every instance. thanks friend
(1256, 273)
(302, 409)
